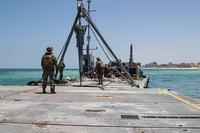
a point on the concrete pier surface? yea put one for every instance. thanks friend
(116, 108)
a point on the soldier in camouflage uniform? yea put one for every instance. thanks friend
(62, 67)
(99, 70)
(49, 64)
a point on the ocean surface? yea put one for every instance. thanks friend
(185, 81)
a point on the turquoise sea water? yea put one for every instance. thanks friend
(23, 76)
(184, 81)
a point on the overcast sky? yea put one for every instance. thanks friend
(160, 30)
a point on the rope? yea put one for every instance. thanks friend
(100, 43)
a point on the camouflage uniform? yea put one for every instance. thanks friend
(62, 66)
(99, 70)
(48, 64)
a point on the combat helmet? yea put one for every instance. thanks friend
(98, 59)
(49, 48)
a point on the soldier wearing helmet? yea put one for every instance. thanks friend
(49, 64)
(49, 49)
(99, 70)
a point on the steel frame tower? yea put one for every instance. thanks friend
(79, 30)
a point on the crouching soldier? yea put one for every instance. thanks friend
(49, 64)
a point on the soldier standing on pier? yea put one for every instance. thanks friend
(99, 70)
(62, 66)
(49, 64)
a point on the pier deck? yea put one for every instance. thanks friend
(118, 108)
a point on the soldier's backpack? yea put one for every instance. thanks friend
(48, 61)
(101, 64)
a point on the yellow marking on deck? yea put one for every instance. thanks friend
(185, 100)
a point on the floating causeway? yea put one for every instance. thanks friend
(117, 108)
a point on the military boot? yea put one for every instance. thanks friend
(53, 89)
(44, 87)
(44, 91)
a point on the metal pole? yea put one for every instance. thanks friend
(69, 38)
(67, 42)
(80, 42)
(131, 81)
(79, 30)
(131, 55)
(88, 39)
